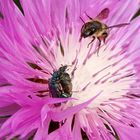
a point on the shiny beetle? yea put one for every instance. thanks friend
(60, 85)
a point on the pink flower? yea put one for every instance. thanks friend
(105, 99)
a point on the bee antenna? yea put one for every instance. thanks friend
(118, 25)
(88, 16)
(82, 20)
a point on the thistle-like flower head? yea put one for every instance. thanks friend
(54, 85)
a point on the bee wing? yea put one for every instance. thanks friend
(103, 14)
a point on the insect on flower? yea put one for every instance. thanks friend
(60, 85)
(89, 97)
(97, 29)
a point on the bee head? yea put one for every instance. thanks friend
(90, 28)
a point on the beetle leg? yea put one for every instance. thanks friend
(91, 41)
(65, 95)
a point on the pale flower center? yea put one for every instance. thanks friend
(110, 72)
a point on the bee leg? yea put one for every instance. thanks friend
(104, 39)
(91, 41)
(99, 41)
(88, 16)
(80, 38)
(99, 45)
(104, 36)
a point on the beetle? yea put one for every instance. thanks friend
(60, 85)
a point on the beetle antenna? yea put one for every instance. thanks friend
(118, 25)
(82, 20)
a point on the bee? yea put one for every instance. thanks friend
(97, 29)
(60, 85)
